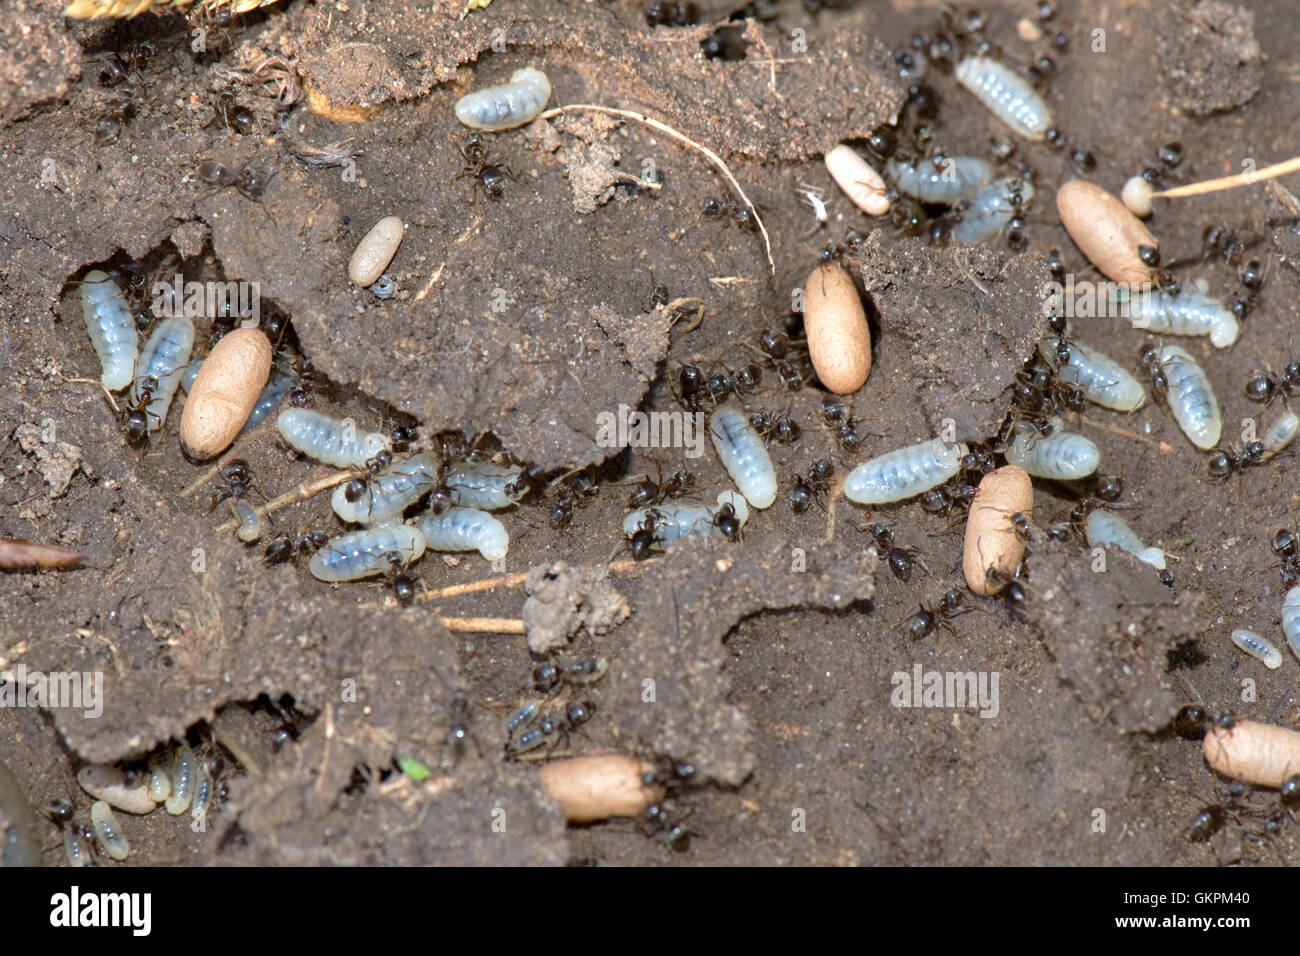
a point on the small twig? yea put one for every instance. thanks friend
(304, 491)
(484, 625)
(667, 130)
(1232, 182)
(1165, 447)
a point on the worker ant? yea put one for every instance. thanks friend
(900, 560)
(675, 836)
(403, 584)
(940, 614)
(228, 113)
(288, 546)
(1263, 387)
(643, 538)
(553, 732)
(649, 492)
(727, 521)
(727, 210)
(671, 13)
(238, 477)
(1224, 464)
(771, 425)
(250, 179)
(1149, 359)
(806, 491)
(137, 418)
(575, 490)
(550, 675)
(459, 730)
(488, 172)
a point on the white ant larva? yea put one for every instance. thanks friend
(160, 781)
(329, 440)
(111, 327)
(1103, 380)
(1291, 619)
(108, 831)
(990, 208)
(1104, 527)
(162, 363)
(1280, 434)
(204, 786)
(1258, 647)
(904, 473)
(940, 179)
(507, 105)
(364, 554)
(1190, 313)
(1061, 456)
(182, 776)
(465, 529)
(251, 526)
(483, 484)
(674, 522)
(1191, 398)
(743, 455)
(390, 492)
(1006, 95)
(272, 394)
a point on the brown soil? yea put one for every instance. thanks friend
(527, 316)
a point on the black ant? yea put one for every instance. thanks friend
(459, 730)
(356, 487)
(1262, 387)
(228, 113)
(1287, 547)
(807, 491)
(403, 583)
(671, 13)
(1223, 464)
(530, 481)
(550, 675)
(840, 251)
(649, 492)
(250, 180)
(727, 210)
(138, 418)
(488, 172)
(643, 537)
(940, 614)
(291, 546)
(239, 482)
(675, 836)
(668, 773)
(575, 490)
(727, 521)
(771, 425)
(900, 560)
(1193, 721)
(725, 43)
(1149, 358)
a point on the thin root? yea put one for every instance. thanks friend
(1232, 182)
(304, 491)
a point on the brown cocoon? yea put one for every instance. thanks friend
(224, 392)
(1106, 232)
(598, 787)
(839, 341)
(1262, 754)
(991, 540)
